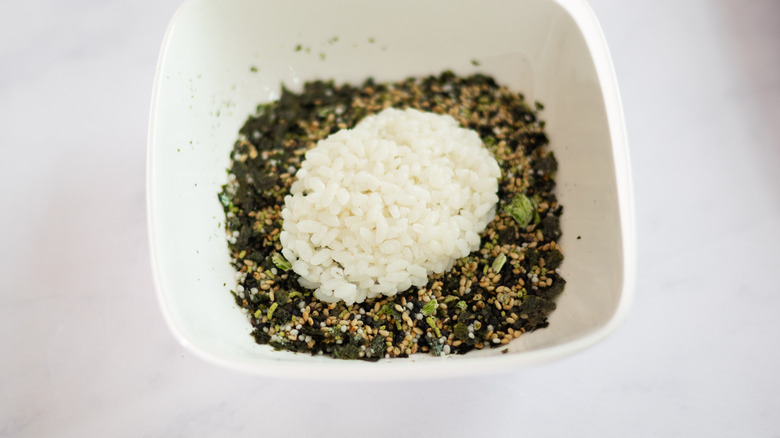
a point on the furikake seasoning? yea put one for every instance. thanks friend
(495, 294)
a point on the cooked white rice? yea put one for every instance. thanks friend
(377, 208)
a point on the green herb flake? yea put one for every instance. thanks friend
(376, 347)
(432, 322)
(371, 40)
(253, 69)
(280, 262)
(271, 309)
(461, 331)
(475, 63)
(498, 263)
(430, 307)
(223, 198)
(298, 48)
(436, 348)
(521, 209)
(461, 305)
(387, 309)
(258, 313)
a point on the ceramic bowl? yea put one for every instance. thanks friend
(220, 58)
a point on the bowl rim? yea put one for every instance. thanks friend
(395, 369)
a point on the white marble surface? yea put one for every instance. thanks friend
(84, 350)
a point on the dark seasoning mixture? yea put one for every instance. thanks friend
(495, 294)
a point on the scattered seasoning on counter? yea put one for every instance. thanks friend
(488, 298)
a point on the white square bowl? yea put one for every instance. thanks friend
(220, 58)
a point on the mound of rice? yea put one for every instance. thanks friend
(377, 208)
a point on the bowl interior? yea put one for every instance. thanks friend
(221, 58)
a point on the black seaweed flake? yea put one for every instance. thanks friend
(505, 289)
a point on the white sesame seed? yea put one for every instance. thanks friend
(446, 349)
(343, 329)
